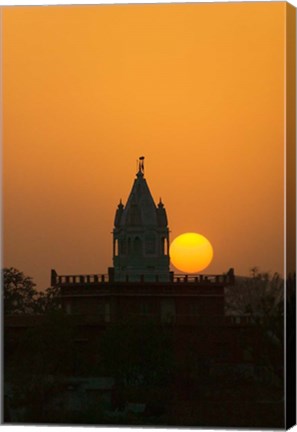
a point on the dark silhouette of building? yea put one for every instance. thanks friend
(141, 236)
(140, 283)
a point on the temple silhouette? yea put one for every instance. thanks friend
(140, 279)
(141, 236)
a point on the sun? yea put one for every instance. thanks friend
(191, 252)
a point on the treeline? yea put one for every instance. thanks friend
(20, 295)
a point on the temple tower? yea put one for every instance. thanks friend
(141, 235)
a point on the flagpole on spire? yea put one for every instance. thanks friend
(141, 164)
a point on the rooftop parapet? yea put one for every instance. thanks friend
(174, 280)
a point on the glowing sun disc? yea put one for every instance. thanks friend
(191, 252)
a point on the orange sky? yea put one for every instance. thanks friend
(196, 88)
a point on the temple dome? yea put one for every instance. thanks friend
(140, 209)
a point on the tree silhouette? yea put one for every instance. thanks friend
(260, 298)
(48, 301)
(20, 294)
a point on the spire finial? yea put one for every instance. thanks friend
(141, 165)
(160, 205)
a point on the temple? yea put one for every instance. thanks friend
(140, 283)
(141, 236)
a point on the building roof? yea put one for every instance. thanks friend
(140, 209)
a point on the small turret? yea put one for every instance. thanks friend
(161, 215)
(118, 215)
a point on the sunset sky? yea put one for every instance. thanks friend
(198, 89)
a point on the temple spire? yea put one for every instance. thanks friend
(141, 235)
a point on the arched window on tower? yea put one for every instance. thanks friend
(164, 246)
(150, 244)
(137, 246)
(116, 247)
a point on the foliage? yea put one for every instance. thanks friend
(21, 296)
(49, 300)
(260, 298)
